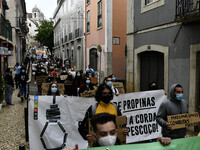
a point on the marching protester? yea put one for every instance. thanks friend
(87, 86)
(153, 86)
(89, 70)
(77, 83)
(53, 89)
(108, 81)
(174, 106)
(105, 131)
(9, 86)
(104, 95)
(17, 69)
(23, 78)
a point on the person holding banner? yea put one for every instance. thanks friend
(105, 131)
(104, 95)
(174, 106)
(53, 89)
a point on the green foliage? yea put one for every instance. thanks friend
(45, 34)
(2, 89)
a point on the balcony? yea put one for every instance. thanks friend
(77, 33)
(70, 36)
(187, 10)
(19, 25)
(6, 28)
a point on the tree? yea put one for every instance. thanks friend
(45, 34)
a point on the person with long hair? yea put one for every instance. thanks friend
(53, 89)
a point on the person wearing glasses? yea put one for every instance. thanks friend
(104, 95)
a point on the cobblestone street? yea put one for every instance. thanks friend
(12, 125)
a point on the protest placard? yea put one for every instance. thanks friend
(90, 93)
(41, 79)
(184, 120)
(119, 86)
(45, 88)
(63, 77)
(94, 80)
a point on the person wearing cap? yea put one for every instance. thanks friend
(9, 86)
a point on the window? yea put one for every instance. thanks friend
(72, 55)
(99, 17)
(35, 15)
(147, 5)
(88, 1)
(88, 21)
(149, 1)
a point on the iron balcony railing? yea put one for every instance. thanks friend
(77, 33)
(187, 9)
(70, 36)
(19, 24)
(6, 28)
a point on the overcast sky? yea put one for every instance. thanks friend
(46, 6)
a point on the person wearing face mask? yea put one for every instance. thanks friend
(53, 89)
(103, 97)
(23, 78)
(87, 86)
(108, 81)
(105, 131)
(174, 106)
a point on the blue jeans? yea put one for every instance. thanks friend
(23, 89)
(8, 94)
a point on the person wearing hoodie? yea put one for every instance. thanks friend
(173, 106)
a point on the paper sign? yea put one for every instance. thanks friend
(184, 120)
(119, 86)
(63, 77)
(41, 79)
(94, 80)
(88, 93)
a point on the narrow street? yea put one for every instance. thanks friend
(12, 125)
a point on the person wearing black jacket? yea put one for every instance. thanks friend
(23, 78)
(87, 86)
(9, 86)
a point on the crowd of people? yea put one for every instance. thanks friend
(103, 113)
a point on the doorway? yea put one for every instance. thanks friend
(151, 69)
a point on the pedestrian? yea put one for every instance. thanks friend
(174, 106)
(17, 70)
(104, 95)
(9, 86)
(23, 78)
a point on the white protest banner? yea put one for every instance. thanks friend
(72, 111)
(141, 109)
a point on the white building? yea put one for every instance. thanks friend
(69, 32)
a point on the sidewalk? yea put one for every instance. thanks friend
(12, 125)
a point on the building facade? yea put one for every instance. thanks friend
(105, 26)
(6, 41)
(33, 22)
(163, 45)
(69, 40)
(17, 16)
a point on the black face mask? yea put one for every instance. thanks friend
(153, 88)
(106, 99)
